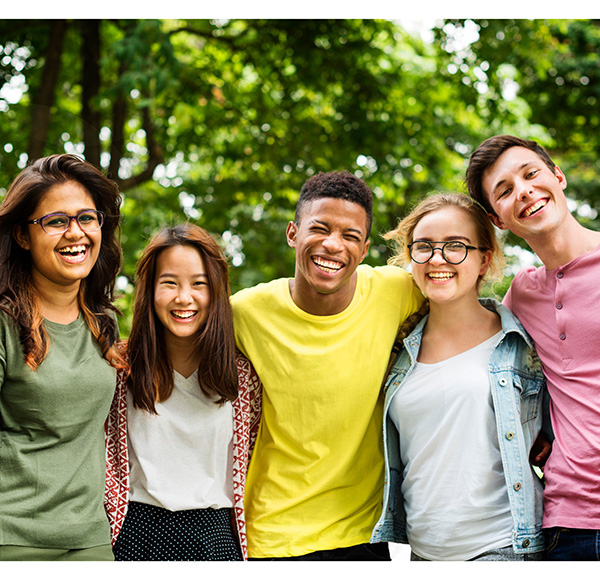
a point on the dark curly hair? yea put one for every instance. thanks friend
(337, 185)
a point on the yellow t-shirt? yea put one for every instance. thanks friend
(316, 477)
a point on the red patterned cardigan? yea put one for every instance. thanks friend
(246, 418)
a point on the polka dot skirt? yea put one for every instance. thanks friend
(151, 533)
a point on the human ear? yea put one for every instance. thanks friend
(21, 237)
(290, 234)
(497, 221)
(365, 250)
(486, 260)
(560, 176)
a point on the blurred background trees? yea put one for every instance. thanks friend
(221, 122)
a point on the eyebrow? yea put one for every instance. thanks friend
(452, 238)
(78, 211)
(171, 275)
(324, 223)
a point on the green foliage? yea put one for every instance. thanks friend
(221, 122)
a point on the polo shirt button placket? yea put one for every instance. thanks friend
(559, 305)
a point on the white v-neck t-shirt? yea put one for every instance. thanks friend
(454, 489)
(182, 458)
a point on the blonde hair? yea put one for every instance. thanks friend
(403, 234)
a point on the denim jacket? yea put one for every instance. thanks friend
(517, 384)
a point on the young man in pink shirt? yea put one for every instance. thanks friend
(559, 305)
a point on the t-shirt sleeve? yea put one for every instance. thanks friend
(4, 322)
(507, 301)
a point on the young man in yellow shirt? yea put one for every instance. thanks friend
(320, 342)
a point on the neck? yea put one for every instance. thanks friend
(318, 304)
(58, 303)
(453, 328)
(456, 317)
(183, 355)
(563, 245)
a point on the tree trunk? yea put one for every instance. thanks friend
(90, 82)
(119, 117)
(155, 155)
(41, 104)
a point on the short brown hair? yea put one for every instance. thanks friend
(486, 155)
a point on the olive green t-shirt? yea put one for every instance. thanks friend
(52, 454)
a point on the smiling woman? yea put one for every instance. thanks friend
(57, 359)
(183, 400)
(466, 372)
(61, 255)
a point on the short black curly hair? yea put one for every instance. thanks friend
(337, 185)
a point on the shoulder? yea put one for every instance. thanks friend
(260, 292)
(509, 321)
(527, 278)
(385, 275)
(7, 322)
(389, 281)
(517, 341)
(526, 290)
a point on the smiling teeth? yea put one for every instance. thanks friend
(183, 314)
(327, 265)
(530, 210)
(72, 250)
(441, 275)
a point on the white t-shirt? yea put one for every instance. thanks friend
(181, 458)
(454, 489)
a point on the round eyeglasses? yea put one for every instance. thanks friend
(453, 252)
(89, 220)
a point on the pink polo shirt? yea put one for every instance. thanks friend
(561, 311)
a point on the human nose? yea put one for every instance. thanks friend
(74, 229)
(333, 243)
(184, 295)
(525, 190)
(437, 258)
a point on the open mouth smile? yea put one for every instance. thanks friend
(537, 206)
(74, 254)
(441, 276)
(328, 266)
(184, 315)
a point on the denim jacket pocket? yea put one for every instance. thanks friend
(530, 395)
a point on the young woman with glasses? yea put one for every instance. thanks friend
(59, 258)
(463, 401)
(190, 402)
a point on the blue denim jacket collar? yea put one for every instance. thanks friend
(508, 320)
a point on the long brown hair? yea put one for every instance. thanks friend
(151, 372)
(18, 296)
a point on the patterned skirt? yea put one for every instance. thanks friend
(152, 533)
